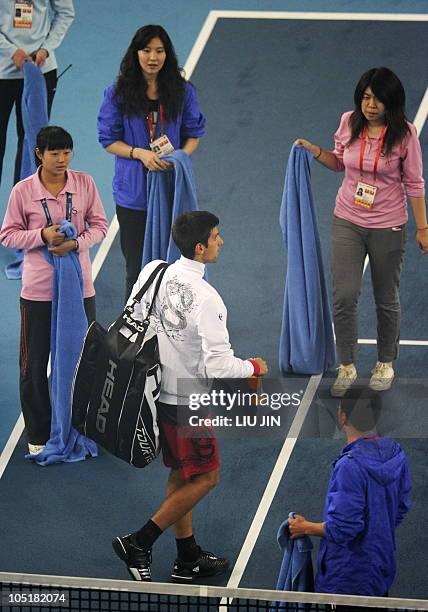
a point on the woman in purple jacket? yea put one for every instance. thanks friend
(148, 112)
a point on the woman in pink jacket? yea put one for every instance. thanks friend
(379, 151)
(36, 207)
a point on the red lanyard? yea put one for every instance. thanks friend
(378, 150)
(152, 124)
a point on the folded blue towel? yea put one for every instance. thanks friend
(168, 195)
(307, 341)
(34, 108)
(68, 329)
(296, 572)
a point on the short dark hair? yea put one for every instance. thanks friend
(362, 407)
(191, 228)
(53, 138)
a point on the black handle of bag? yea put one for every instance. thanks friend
(139, 296)
(126, 319)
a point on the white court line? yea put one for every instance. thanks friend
(421, 115)
(320, 16)
(273, 484)
(11, 444)
(104, 247)
(403, 342)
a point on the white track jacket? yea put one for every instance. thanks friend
(189, 319)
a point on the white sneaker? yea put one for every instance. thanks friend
(35, 449)
(382, 376)
(345, 379)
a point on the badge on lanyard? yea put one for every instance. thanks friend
(23, 15)
(365, 192)
(161, 145)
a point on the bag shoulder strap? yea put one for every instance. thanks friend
(126, 319)
(139, 296)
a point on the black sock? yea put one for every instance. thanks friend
(187, 549)
(147, 535)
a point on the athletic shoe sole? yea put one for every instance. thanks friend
(198, 575)
(383, 387)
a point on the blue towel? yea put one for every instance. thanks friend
(168, 195)
(68, 328)
(306, 342)
(296, 572)
(34, 108)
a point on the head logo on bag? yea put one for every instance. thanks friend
(117, 384)
(106, 395)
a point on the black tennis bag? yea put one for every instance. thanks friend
(117, 383)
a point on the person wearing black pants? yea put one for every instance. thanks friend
(11, 94)
(35, 213)
(33, 362)
(132, 225)
(30, 35)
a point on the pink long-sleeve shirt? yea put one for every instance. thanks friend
(399, 172)
(25, 219)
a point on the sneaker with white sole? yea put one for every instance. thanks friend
(345, 379)
(35, 449)
(138, 560)
(382, 376)
(206, 565)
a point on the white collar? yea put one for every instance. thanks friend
(192, 265)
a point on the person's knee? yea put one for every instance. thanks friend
(346, 298)
(209, 479)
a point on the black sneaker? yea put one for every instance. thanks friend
(138, 560)
(207, 565)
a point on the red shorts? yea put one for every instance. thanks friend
(189, 455)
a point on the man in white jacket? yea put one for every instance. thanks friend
(190, 322)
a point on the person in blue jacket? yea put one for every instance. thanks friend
(367, 498)
(148, 112)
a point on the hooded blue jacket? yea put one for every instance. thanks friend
(367, 498)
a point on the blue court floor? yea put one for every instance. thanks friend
(262, 83)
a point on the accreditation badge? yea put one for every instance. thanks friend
(162, 146)
(23, 15)
(364, 195)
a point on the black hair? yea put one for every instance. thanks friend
(131, 86)
(388, 88)
(53, 138)
(362, 407)
(191, 228)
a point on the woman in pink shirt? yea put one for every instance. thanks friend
(36, 207)
(379, 151)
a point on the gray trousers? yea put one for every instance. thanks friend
(385, 249)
